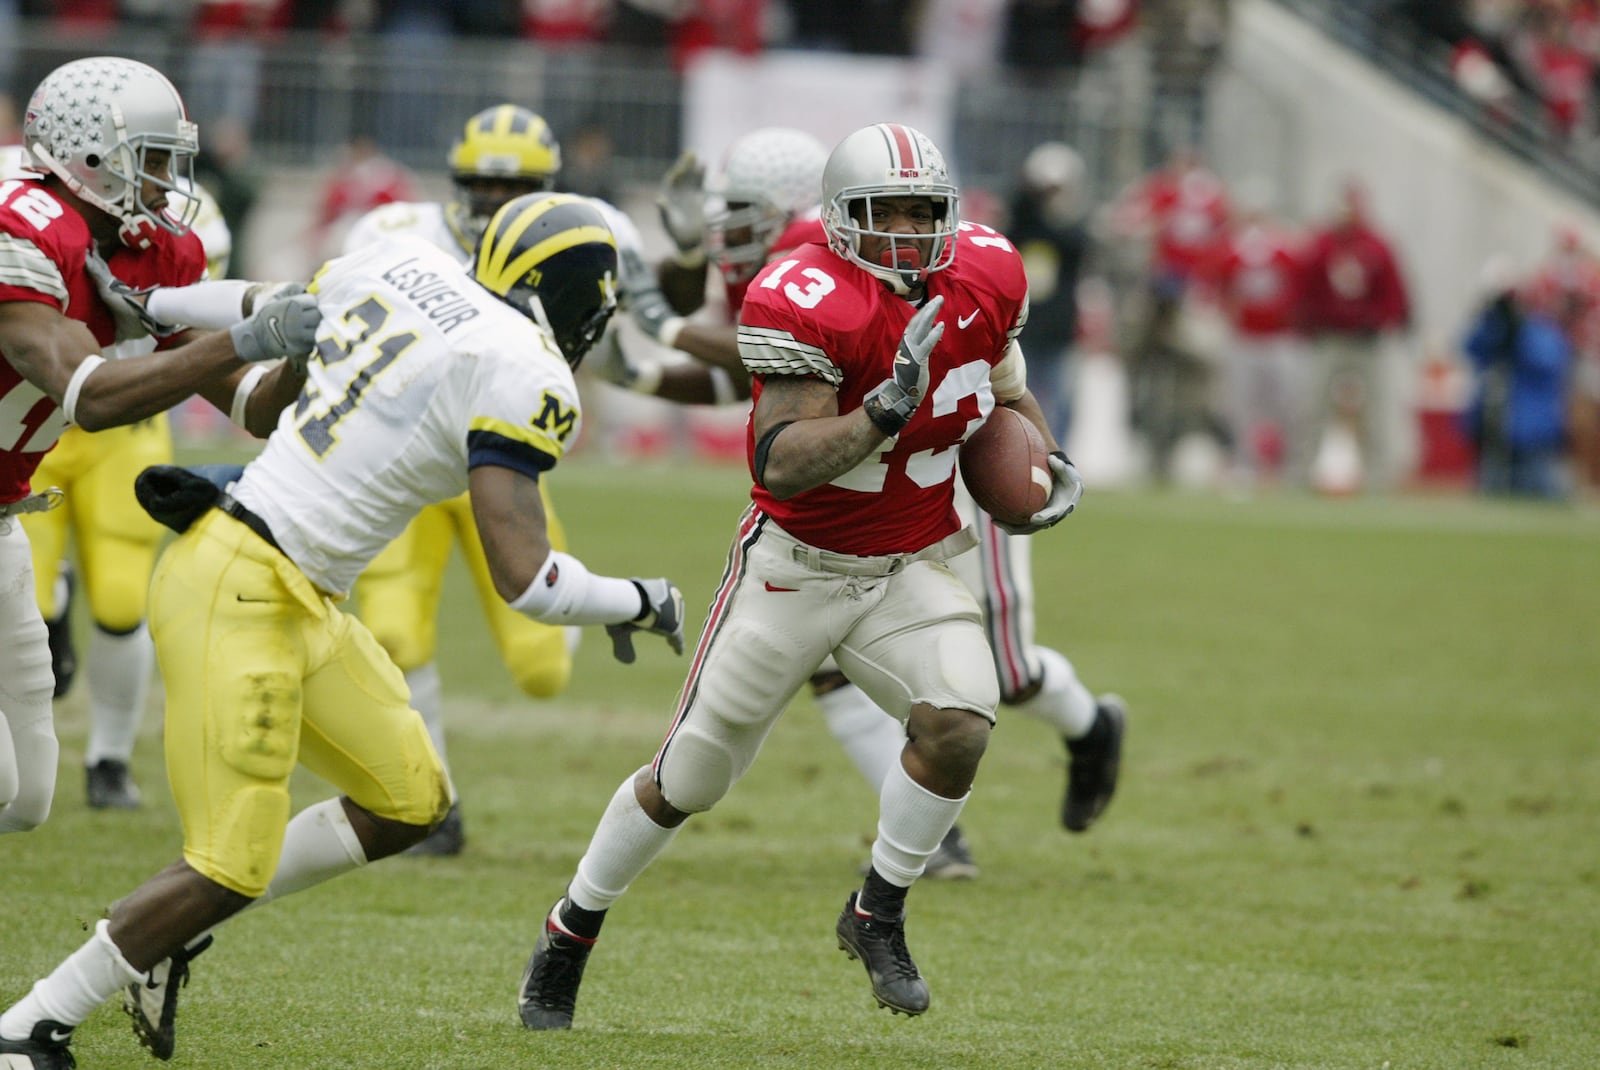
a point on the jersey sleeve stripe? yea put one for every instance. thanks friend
(541, 441)
(24, 266)
(489, 448)
(1022, 321)
(770, 352)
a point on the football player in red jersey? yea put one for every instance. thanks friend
(872, 357)
(111, 141)
(758, 208)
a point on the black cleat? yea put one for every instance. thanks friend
(445, 841)
(46, 1049)
(63, 655)
(953, 860)
(1093, 763)
(550, 983)
(110, 787)
(880, 944)
(153, 1002)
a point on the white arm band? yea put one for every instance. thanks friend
(242, 392)
(647, 378)
(722, 386)
(1009, 378)
(208, 305)
(564, 592)
(69, 400)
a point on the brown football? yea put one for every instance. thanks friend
(1006, 467)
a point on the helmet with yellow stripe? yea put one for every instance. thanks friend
(501, 153)
(552, 257)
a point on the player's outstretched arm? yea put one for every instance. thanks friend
(59, 356)
(555, 587)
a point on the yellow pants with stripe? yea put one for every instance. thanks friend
(398, 598)
(264, 671)
(116, 540)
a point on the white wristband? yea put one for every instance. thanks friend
(563, 591)
(647, 378)
(69, 400)
(242, 392)
(722, 390)
(670, 329)
(208, 305)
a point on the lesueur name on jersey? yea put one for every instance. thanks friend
(432, 296)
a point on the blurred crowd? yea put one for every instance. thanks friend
(1264, 352)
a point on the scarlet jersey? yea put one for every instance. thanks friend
(1257, 278)
(1186, 214)
(813, 313)
(801, 231)
(43, 245)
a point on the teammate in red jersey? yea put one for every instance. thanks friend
(873, 358)
(111, 142)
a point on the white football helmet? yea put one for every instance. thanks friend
(93, 123)
(769, 177)
(889, 160)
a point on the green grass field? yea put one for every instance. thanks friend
(1358, 828)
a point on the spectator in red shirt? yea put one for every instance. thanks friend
(365, 179)
(1351, 299)
(1255, 278)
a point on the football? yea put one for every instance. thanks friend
(1006, 467)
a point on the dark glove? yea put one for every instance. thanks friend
(283, 328)
(663, 615)
(176, 496)
(1067, 488)
(889, 405)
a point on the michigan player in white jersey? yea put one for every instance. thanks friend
(116, 547)
(427, 380)
(502, 152)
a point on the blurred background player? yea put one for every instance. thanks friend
(763, 203)
(503, 152)
(116, 544)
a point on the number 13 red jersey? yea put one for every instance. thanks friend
(813, 313)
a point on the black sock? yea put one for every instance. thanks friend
(885, 900)
(581, 922)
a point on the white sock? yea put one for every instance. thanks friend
(89, 976)
(1063, 702)
(318, 844)
(59, 592)
(625, 843)
(119, 682)
(912, 821)
(427, 698)
(871, 738)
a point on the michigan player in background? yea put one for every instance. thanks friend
(116, 544)
(762, 206)
(503, 152)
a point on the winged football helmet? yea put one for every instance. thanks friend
(770, 177)
(552, 258)
(502, 152)
(95, 123)
(889, 160)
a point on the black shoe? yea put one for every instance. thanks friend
(550, 983)
(110, 787)
(953, 860)
(153, 1002)
(1093, 764)
(45, 1050)
(445, 841)
(880, 944)
(63, 655)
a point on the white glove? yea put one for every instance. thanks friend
(890, 404)
(663, 616)
(1066, 489)
(682, 201)
(655, 316)
(283, 328)
(127, 304)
